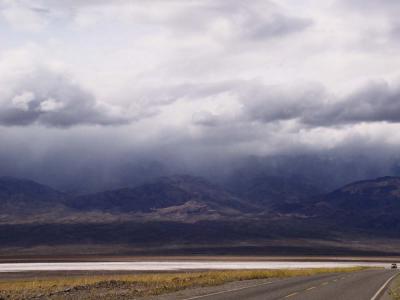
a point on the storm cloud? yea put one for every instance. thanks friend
(313, 106)
(119, 91)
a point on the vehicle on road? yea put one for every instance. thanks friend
(394, 266)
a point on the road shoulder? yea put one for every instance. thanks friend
(392, 291)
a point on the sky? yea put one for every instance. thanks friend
(89, 86)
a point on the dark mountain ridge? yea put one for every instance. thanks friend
(271, 192)
(162, 193)
(367, 197)
(368, 206)
(190, 209)
(22, 195)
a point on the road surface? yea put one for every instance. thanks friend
(363, 285)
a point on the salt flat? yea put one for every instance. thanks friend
(176, 265)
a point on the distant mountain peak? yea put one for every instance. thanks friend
(161, 193)
(371, 185)
(182, 178)
(373, 202)
(25, 195)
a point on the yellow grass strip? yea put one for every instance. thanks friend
(108, 286)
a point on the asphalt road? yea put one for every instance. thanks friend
(363, 285)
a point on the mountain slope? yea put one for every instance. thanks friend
(179, 210)
(174, 191)
(272, 192)
(26, 196)
(370, 205)
(368, 197)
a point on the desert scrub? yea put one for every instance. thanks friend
(394, 289)
(128, 286)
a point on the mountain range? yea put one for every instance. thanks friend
(183, 209)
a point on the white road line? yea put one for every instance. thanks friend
(291, 295)
(311, 288)
(228, 291)
(382, 287)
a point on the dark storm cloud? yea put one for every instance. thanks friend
(52, 99)
(376, 102)
(272, 103)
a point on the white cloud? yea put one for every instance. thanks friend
(50, 105)
(22, 100)
(22, 16)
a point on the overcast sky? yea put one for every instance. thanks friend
(194, 78)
